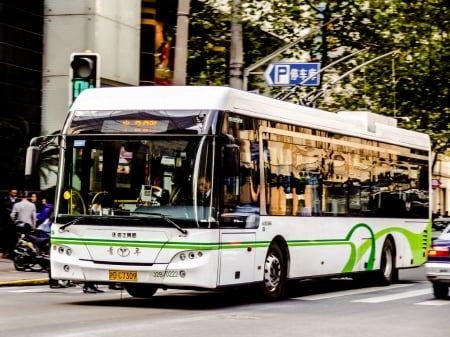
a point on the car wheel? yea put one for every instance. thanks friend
(440, 290)
(141, 290)
(274, 282)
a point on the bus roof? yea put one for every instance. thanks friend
(358, 123)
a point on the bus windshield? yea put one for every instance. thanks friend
(149, 180)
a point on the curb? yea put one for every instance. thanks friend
(38, 281)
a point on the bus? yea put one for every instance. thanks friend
(294, 192)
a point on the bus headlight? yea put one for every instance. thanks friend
(63, 250)
(191, 255)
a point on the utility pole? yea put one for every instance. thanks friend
(236, 49)
(179, 76)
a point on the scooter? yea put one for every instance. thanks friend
(32, 249)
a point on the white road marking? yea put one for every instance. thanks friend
(434, 302)
(394, 297)
(27, 291)
(350, 292)
(376, 299)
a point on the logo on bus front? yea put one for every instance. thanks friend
(123, 252)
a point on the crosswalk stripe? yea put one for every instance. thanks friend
(350, 292)
(316, 297)
(28, 290)
(393, 297)
(434, 302)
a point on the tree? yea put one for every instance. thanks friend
(411, 83)
(49, 158)
(209, 43)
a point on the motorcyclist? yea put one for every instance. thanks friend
(40, 237)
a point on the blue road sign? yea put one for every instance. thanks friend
(292, 73)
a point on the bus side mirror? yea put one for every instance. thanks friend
(32, 160)
(231, 159)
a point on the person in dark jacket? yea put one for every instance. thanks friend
(46, 210)
(8, 237)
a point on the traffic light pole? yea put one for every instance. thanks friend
(237, 48)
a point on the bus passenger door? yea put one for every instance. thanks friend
(237, 258)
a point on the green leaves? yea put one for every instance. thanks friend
(411, 84)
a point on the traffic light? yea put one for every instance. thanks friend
(84, 73)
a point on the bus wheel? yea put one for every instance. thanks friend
(141, 290)
(274, 283)
(387, 273)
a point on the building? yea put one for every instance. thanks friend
(21, 52)
(134, 39)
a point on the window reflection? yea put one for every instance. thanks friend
(310, 172)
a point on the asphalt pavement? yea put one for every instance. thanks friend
(9, 276)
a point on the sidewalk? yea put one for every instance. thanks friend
(9, 276)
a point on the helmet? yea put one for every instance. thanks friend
(23, 227)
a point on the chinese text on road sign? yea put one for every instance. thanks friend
(292, 73)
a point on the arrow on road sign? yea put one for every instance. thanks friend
(292, 73)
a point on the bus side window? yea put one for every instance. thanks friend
(249, 180)
(230, 168)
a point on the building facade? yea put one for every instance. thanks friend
(21, 52)
(135, 40)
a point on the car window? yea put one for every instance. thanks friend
(441, 224)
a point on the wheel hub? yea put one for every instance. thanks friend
(272, 272)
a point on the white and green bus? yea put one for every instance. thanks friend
(296, 192)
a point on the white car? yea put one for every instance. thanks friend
(437, 268)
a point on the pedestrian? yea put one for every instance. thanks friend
(45, 211)
(91, 288)
(24, 211)
(11, 199)
(35, 200)
(8, 237)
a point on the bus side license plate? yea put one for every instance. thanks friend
(122, 275)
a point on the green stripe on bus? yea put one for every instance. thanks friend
(356, 253)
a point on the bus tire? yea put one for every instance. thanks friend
(387, 273)
(274, 282)
(141, 290)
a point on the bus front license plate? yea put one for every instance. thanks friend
(123, 275)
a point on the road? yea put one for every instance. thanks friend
(338, 308)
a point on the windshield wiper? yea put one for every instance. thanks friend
(167, 219)
(115, 217)
(72, 222)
